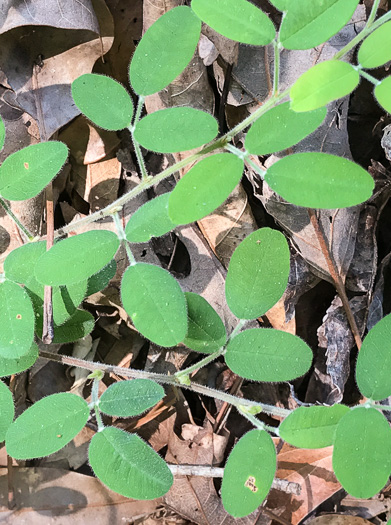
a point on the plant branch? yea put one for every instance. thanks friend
(136, 145)
(339, 285)
(122, 237)
(165, 379)
(22, 228)
(372, 14)
(276, 75)
(369, 77)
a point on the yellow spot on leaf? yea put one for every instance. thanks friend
(250, 484)
(26, 165)
(18, 316)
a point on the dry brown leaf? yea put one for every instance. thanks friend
(339, 519)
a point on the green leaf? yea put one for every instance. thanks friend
(100, 280)
(308, 24)
(280, 128)
(362, 452)
(155, 303)
(265, 354)
(376, 48)
(281, 5)
(130, 398)
(19, 267)
(323, 83)
(257, 274)
(103, 100)
(374, 362)
(383, 94)
(7, 410)
(312, 427)
(175, 129)
(78, 326)
(47, 426)
(9, 367)
(85, 255)
(128, 466)
(236, 19)
(206, 332)
(2, 133)
(248, 473)
(155, 65)
(25, 173)
(204, 187)
(150, 220)
(16, 321)
(320, 180)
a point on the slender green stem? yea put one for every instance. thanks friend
(372, 14)
(200, 364)
(369, 77)
(363, 34)
(22, 228)
(261, 172)
(122, 237)
(257, 423)
(276, 75)
(136, 145)
(98, 418)
(381, 407)
(237, 329)
(238, 152)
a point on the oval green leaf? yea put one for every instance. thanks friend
(103, 100)
(320, 180)
(327, 81)
(155, 65)
(25, 173)
(204, 187)
(47, 426)
(150, 220)
(19, 267)
(308, 24)
(280, 128)
(80, 324)
(383, 94)
(2, 133)
(16, 321)
(130, 398)
(236, 19)
(176, 129)
(258, 273)
(269, 355)
(374, 362)
(85, 255)
(362, 452)
(312, 427)
(9, 367)
(206, 332)
(156, 304)
(100, 280)
(7, 410)
(248, 473)
(128, 466)
(376, 48)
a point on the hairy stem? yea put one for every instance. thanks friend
(136, 145)
(276, 75)
(122, 237)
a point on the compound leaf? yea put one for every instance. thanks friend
(85, 255)
(103, 100)
(130, 398)
(25, 173)
(308, 24)
(374, 362)
(150, 220)
(9, 367)
(2, 133)
(320, 180)
(269, 355)
(16, 321)
(362, 452)
(47, 426)
(7, 410)
(257, 274)
(128, 466)
(156, 304)
(204, 187)
(383, 94)
(176, 129)
(248, 473)
(323, 83)
(376, 48)
(312, 427)
(280, 128)
(154, 65)
(236, 19)
(206, 332)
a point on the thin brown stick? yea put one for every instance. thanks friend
(10, 481)
(339, 285)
